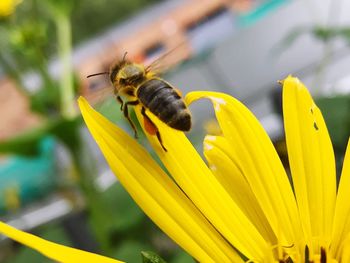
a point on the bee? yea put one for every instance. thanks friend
(141, 86)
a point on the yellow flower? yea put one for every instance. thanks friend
(7, 7)
(241, 206)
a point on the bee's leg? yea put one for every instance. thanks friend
(119, 99)
(160, 140)
(151, 128)
(126, 114)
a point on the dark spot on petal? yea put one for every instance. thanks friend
(307, 254)
(289, 246)
(312, 111)
(323, 256)
(288, 260)
(315, 126)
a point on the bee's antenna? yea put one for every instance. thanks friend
(101, 73)
(126, 52)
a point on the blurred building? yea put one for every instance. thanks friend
(179, 29)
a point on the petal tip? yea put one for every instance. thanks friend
(81, 100)
(210, 138)
(83, 104)
(292, 79)
(207, 146)
(212, 167)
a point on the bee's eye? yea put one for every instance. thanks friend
(122, 81)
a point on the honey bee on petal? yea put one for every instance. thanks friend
(141, 86)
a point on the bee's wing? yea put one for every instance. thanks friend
(99, 95)
(169, 59)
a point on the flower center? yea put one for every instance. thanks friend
(316, 258)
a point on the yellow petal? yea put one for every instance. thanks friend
(259, 163)
(52, 250)
(156, 193)
(311, 160)
(345, 249)
(341, 225)
(217, 151)
(200, 185)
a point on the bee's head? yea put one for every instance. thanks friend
(129, 74)
(124, 73)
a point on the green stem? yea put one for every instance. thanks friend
(64, 31)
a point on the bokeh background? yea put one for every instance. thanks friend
(54, 181)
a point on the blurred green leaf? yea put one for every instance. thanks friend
(96, 16)
(324, 33)
(336, 112)
(27, 143)
(328, 33)
(124, 211)
(345, 33)
(319, 32)
(182, 257)
(68, 132)
(27, 37)
(129, 250)
(45, 101)
(151, 257)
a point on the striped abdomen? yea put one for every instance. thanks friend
(164, 102)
